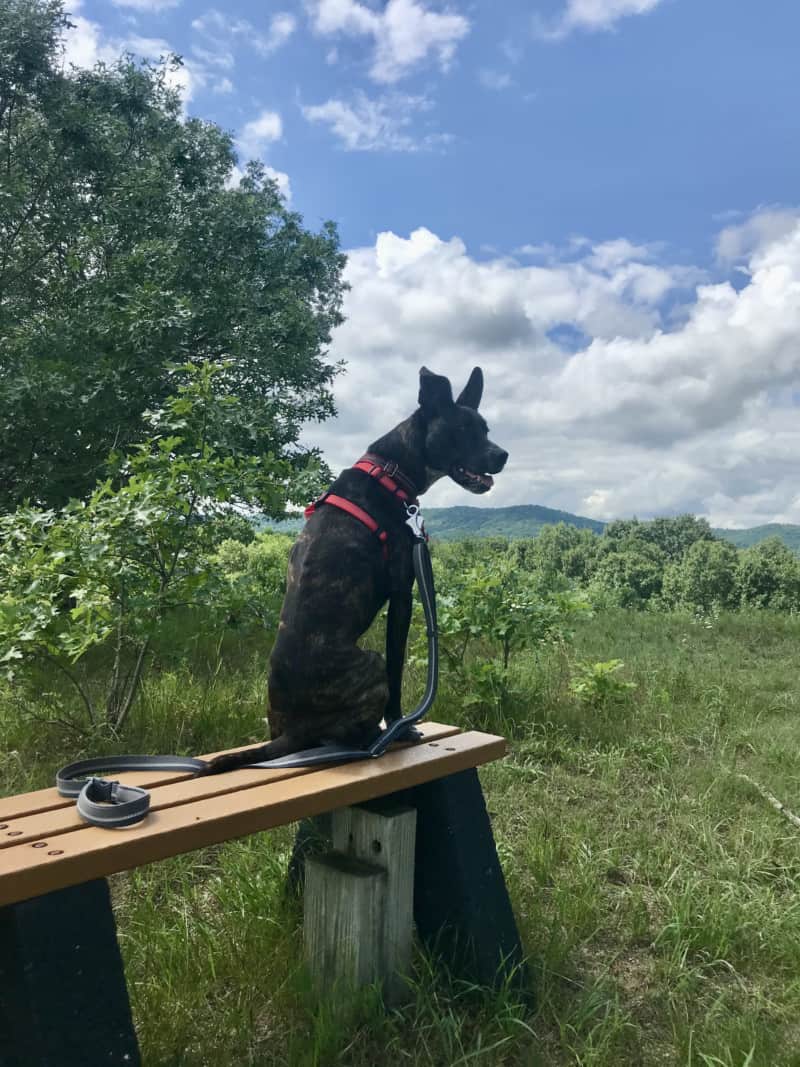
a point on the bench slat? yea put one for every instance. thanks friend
(184, 790)
(49, 799)
(81, 855)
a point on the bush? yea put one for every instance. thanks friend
(253, 578)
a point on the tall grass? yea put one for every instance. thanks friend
(656, 892)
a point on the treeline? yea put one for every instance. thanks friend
(662, 564)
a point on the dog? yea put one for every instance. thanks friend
(354, 554)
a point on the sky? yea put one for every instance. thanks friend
(596, 201)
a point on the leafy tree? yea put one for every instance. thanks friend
(705, 578)
(672, 536)
(565, 550)
(630, 576)
(105, 574)
(121, 251)
(769, 576)
(254, 577)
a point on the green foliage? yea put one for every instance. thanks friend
(253, 578)
(497, 602)
(673, 537)
(704, 579)
(109, 571)
(769, 576)
(597, 686)
(630, 575)
(122, 251)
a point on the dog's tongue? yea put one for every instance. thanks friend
(484, 479)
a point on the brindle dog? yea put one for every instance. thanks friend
(322, 686)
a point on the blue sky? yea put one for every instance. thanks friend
(588, 183)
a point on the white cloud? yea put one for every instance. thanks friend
(146, 5)
(367, 125)
(592, 16)
(85, 44)
(219, 29)
(281, 28)
(642, 419)
(252, 143)
(405, 33)
(494, 79)
(258, 133)
(740, 241)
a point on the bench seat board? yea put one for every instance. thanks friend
(48, 799)
(195, 820)
(165, 793)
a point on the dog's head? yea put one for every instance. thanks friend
(456, 436)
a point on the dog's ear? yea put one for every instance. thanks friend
(473, 391)
(435, 394)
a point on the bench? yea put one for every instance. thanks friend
(63, 996)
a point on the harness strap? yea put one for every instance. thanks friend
(388, 474)
(357, 513)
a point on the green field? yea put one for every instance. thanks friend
(656, 891)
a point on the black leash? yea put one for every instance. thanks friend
(111, 804)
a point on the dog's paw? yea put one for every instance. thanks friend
(411, 733)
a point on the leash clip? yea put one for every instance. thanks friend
(415, 522)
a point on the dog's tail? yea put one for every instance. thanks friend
(231, 760)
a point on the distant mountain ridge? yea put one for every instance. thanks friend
(520, 520)
(526, 520)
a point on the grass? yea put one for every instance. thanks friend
(656, 891)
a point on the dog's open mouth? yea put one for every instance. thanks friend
(475, 483)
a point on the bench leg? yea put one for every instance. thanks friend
(63, 997)
(462, 911)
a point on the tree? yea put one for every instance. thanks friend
(631, 575)
(104, 574)
(705, 578)
(122, 251)
(769, 576)
(672, 536)
(565, 551)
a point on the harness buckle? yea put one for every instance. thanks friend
(391, 467)
(415, 522)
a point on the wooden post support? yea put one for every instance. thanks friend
(384, 833)
(63, 998)
(359, 902)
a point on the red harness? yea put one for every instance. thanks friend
(386, 473)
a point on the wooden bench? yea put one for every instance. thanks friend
(63, 996)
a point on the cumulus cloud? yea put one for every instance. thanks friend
(363, 124)
(643, 418)
(738, 242)
(592, 16)
(85, 44)
(404, 33)
(259, 132)
(254, 139)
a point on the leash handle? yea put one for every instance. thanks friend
(101, 802)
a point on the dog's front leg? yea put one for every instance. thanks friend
(397, 625)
